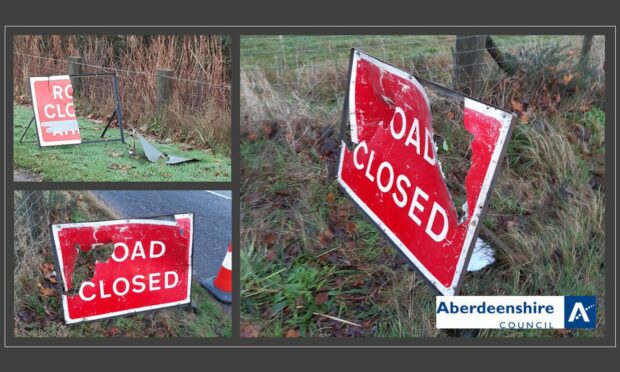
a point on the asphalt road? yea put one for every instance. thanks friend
(212, 219)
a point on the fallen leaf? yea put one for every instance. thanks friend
(350, 227)
(268, 129)
(252, 136)
(567, 79)
(451, 115)
(516, 105)
(270, 238)
(291, 333)
(46, 292)
(250, 330)
(47, 267)
(584, 108)
(330, 197)
(320, 298)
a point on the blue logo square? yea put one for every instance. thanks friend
(579, 312)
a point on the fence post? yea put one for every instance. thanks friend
(585, 49)
(36, 213)
(469, 54)
(164, 88)
(75, 68)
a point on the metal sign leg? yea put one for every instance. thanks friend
(109, 122)
(26, 130)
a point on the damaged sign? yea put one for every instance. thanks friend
(393, 174)
(154, 155)
(148, 266)
(54, 112)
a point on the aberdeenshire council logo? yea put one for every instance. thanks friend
(580, 312)
(515, 312)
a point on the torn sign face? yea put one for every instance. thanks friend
(149, 266)
(392, 172)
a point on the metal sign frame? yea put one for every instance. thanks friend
(116, 113)
(59, 268)
(345, 140)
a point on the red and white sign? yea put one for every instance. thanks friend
(394, 175)
(150, 267)
(52, 101)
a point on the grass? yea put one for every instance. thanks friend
(313, 265)
(109, 161)
(38, 312)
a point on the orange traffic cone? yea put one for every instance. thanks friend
(220, 286)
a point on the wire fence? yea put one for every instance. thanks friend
(32, 219)
(298, 76)
(195, 95)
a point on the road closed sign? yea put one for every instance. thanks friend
(393, 174)
(54, 112)
(148, 266)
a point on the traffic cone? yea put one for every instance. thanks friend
(220, 285)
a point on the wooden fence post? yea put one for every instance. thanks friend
(164, 89)
(585, 49)
(469, 55)
(75, 68)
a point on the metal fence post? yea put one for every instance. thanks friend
(164, 89)
(469, 55)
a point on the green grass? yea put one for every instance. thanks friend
(206, 320)
(39, 314)
(109, 161)
(301, 237)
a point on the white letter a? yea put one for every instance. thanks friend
(578, 307)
